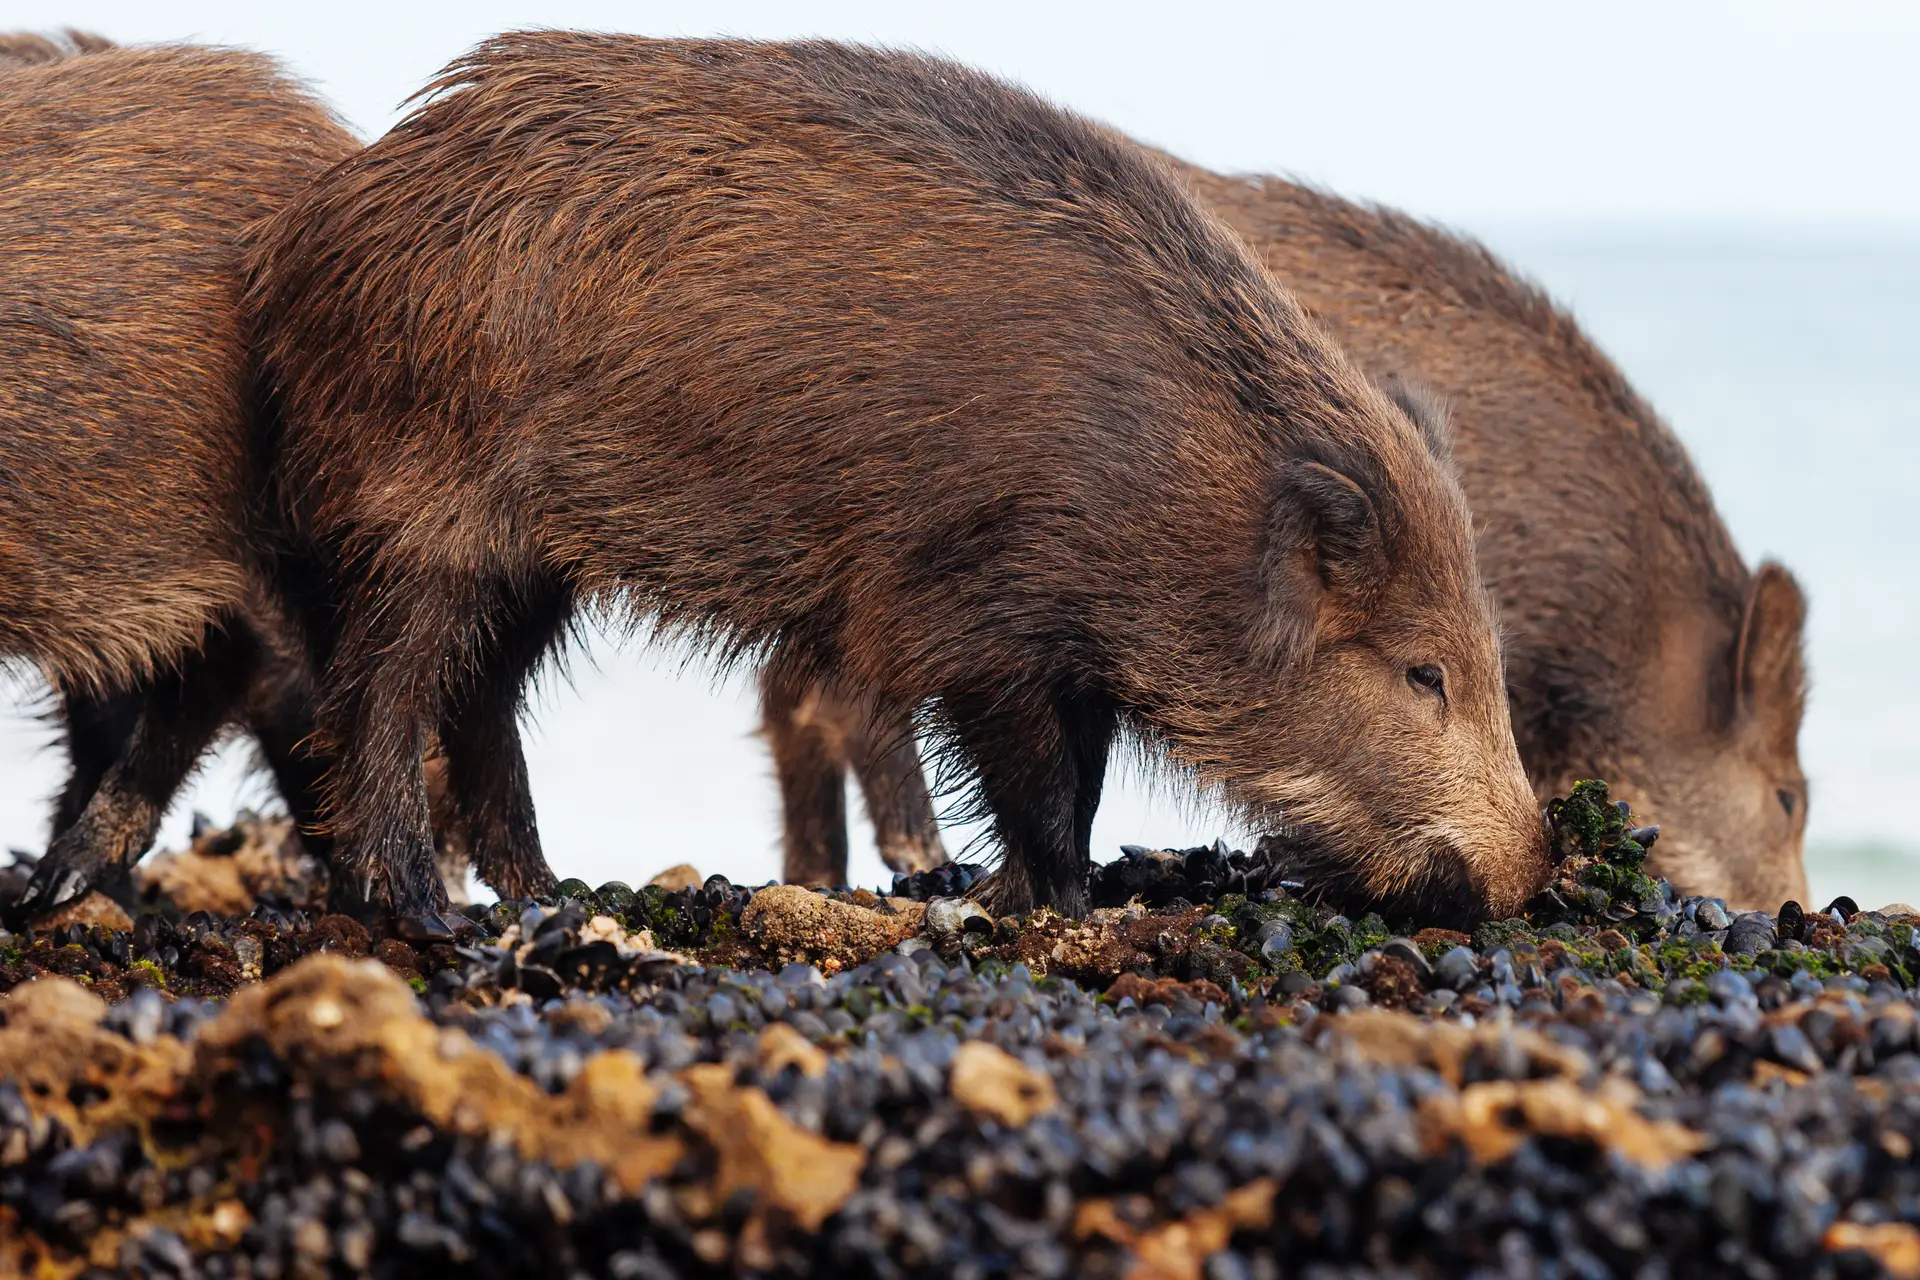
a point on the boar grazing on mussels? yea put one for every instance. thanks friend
(888, 374)
(1640, 648)
(130, 558)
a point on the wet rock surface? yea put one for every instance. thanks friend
(1211, 1076)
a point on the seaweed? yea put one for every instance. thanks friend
(1600, 877)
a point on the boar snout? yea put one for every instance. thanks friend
(1430, 877)
(1462, 883)
(1519, 860)
(1449, 866)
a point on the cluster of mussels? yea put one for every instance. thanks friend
(1211, 1076)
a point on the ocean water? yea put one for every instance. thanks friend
(1788, 363)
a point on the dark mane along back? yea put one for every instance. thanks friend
(924, 122)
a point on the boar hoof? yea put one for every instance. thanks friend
(428, 927)
(60, 880)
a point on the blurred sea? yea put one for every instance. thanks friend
(1788, 363)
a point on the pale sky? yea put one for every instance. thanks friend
(1479, 112)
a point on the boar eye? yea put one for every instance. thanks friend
(1428, 680)
(1787, 800)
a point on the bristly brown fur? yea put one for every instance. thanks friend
(122, 367)
(873, 367)
(128, 478)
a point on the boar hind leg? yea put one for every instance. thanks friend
(887, 762)
(1041, 761)
(809, 763)
(179, 712)
(487, 785)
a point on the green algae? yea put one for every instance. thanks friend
(1601, 877)
(147, 973)
(1495, 934)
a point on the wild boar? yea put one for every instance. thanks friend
(882, 372)
(1640, 648)
(130, 560)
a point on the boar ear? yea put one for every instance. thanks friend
(1427, 410)
(1769, 666)
(1324, 560)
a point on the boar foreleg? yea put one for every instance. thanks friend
(96, 729)
(279, 712)
(1041, 759)
(487, 784)
(383, 691)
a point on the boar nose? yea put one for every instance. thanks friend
(1517, 872)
